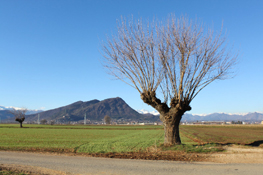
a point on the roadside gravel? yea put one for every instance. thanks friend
(36, 163)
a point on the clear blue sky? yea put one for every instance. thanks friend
(50, 51)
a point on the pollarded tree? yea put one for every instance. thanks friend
(19, 115)
(178, 59)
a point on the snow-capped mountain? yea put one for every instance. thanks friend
(203, 115)
(9, 108)
(255, 116)
(143, 111)
(29, 111)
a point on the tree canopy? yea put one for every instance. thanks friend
(177, 58)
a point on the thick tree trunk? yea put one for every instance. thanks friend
(170, 116)
(20, 124)
(171, 135)
(171, 130)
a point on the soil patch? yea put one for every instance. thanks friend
(232, 154)
(166, 155)
(29, 170)
(160, 155)
(238, 154)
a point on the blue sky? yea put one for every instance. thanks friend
(50, 51)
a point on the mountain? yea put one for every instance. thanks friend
(28, 112)
(7, 108)
(117, 109)
(143, 111)
(254, 116)
(215, 116)
(224, 117)
(5, 114)
(95, 110)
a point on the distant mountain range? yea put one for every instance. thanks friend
(143, 111)
(5, 114)
(29, 111)
(117, 109)
(224, 117)
(215, 116)
(8, 108)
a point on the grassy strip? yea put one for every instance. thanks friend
(188, 148)
(97, 127)
(5, 172)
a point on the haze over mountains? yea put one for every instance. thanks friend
(117, 109)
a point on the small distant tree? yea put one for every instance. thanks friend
(107, 119)
(52, 122)
(19, 115)
(238, 122)
(43, 122)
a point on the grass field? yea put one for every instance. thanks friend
(224, 134)
(89, 139)
(103, 139)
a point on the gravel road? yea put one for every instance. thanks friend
(62, 164)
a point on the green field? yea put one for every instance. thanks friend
(89, 139)
(116, 138)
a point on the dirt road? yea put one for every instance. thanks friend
(61, 164)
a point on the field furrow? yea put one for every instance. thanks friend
(118, 139)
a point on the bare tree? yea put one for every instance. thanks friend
(52, 122)
(19, 115)
(43, 121)
(107, 119)
(177, 59)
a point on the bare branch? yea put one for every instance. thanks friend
(19, 115)
(179, 58)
